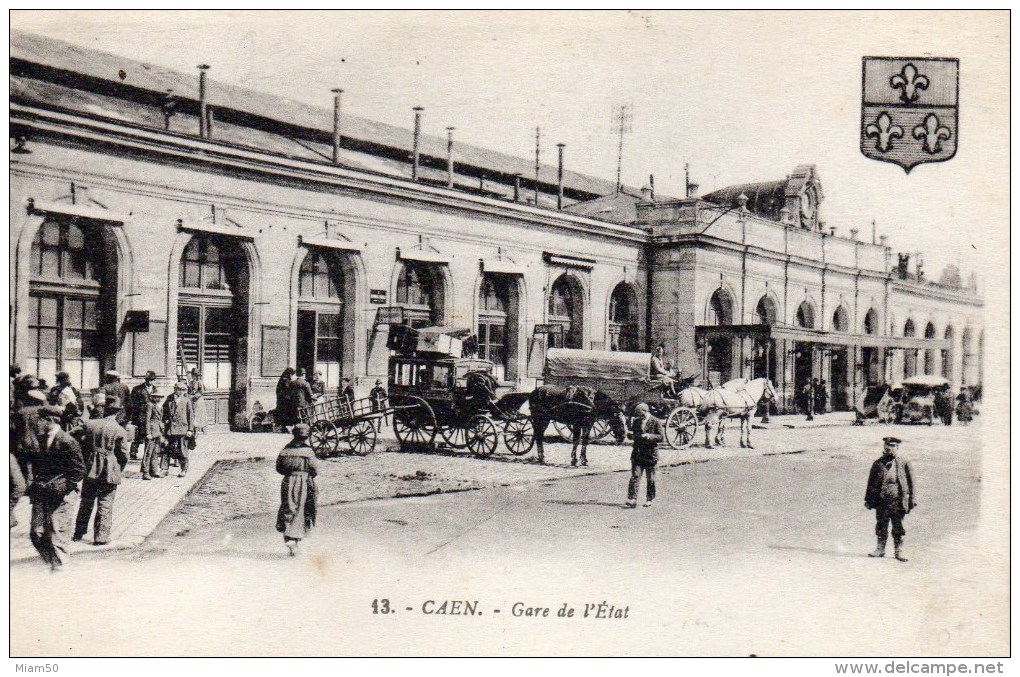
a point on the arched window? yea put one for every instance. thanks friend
(841, 319)
(623, 318)
(908, 328)
(317, 280)
(929, 355)
(493, 301)
(70, 318)
(871, 322)
(910, 354)
(805, 315)
(320, 316)
(765, 312)
(720, 309)
(947, 354)
(203, 265)
(420, 291)
(566, 308)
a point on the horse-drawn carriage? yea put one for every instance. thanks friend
(434, 393)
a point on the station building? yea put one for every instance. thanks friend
(161, 221)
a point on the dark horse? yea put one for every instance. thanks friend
(575, 406)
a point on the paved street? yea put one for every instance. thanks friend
(751, 553)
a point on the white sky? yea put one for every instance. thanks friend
(740, 96)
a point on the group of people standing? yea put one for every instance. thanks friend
(814, 398)
(295, 393)
(58, 442)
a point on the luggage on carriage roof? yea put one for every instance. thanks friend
(602, 365)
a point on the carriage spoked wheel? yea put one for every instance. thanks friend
(324, 438)
(361, 437)
(518, 434)
(482, 436)
(455, 435)
(563, 430)
(414, 423)
(681, 426)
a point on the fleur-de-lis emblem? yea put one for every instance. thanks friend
(932, 133)
(884, 131)
(910, 83)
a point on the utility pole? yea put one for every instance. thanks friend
(623, 119)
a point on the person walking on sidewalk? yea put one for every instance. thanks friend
(154, 441)
(298, 493)
(647, 432)
(140, 411)
(890, 494)
(55, 467)
(178, 427)
(106, 445)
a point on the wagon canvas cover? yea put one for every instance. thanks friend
(567, 364)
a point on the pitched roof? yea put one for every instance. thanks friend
(40, 58)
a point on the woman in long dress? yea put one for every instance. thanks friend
(298, 494)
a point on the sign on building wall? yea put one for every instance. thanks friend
(275, 346)
(377, 296)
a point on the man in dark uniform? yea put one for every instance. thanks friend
(140, 406)
(346, 389)
(647, 432)
(105, 445)
(891, 495)
(56, 467)
(300, 393)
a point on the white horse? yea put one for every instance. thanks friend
(698, 400)
(738, 399)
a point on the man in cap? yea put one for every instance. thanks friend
(647, 432)
(114, 388)
(153, 428)
(25, 423)
(140, 405)
(178, 426)
(105, 449)
(890, 494)
(378, 397)
(56, 466)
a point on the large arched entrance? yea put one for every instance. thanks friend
(871, 366)
(719, 365)
(804, 352)
(72, 318)
(929, 354)
(764, 356)
(566, 309)
(421, 291)
(325, 314)
(212, 321)
(498, 328)
(839, 364)
(909, 354)
(623, 318)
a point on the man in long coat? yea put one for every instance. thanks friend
(115, 388)
(105, 450)
(300, 394)
(140, 410)
(153, 454)
(285, 415)
(647, 432)
(55, 466)
(178, 426)
(891, 495)
(298, 494)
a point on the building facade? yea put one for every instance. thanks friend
(237, 235)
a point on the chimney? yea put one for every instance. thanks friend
(832, 231)
(417, 140)
(449, 157)
(559, 176)
(203, 119)
(692, 189)
(853, 234)
(883, 240)
(651, 188)
(209, 119)
(647, 194)
(169, 108)
(337, 93)
(517, 187)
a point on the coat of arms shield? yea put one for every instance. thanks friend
(910, 109)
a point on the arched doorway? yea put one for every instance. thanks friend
(947, 354)
(623, 318)
(72, 321)
(566, 309)
(839, 364)
(909, 354)
(212, 320)
(804, 352)
(764, 356)
(872, 368)
(421, 292)
(324, 315)
(720, 365)
(929, 354)
(498, 322)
